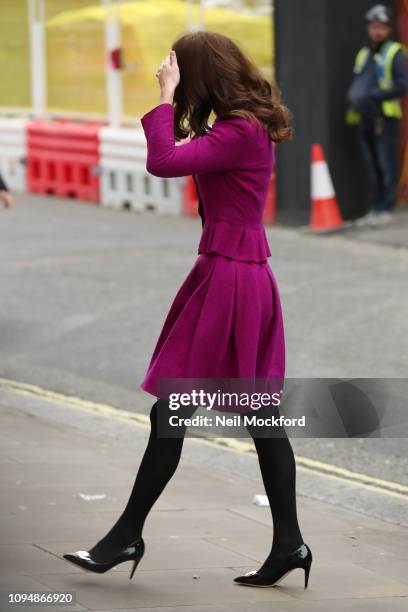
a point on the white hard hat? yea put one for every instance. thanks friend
(379, 12)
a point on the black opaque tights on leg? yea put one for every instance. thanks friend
(278, 469)
(159, 463)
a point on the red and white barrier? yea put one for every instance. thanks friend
(62, 159)
(96, 163)
(13, 152)
(124, 179)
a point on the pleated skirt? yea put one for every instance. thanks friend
(225, 322)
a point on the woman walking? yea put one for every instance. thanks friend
(226, 319)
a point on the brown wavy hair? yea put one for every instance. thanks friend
(216, 75)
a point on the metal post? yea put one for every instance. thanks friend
(202, 14)
(191, 26)
(114, 88)
(36, 15)
(189, 15)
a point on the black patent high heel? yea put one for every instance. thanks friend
(132, 552)
(267, 577)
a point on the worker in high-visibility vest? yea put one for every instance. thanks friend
(380, 81)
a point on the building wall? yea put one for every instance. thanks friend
(316, 42)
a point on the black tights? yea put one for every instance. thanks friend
(159, 463)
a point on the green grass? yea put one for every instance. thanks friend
(76, 52)
(14, 54)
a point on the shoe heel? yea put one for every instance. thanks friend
(135, 564)
(307, 571)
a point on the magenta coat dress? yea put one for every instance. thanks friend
(226, 318)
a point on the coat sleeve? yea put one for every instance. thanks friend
(225, 147)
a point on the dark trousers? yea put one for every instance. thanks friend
(379, 142)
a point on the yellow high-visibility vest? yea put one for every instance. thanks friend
(390, 108)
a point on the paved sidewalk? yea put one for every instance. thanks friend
(203, 531)
(392, 234)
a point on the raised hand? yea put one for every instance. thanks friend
(168, 73)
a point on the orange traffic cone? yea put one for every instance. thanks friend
(190, 199)
(269, 215)
(324, 214)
